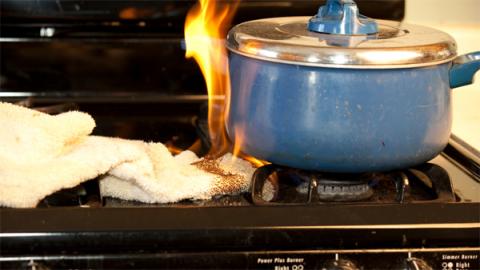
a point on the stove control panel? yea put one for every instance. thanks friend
(421, 259)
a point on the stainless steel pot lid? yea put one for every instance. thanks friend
(358, 43)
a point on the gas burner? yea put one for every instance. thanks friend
(272, 184)
(283, 184)
(338, 189)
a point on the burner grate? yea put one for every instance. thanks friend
(86, 194)
(274, 184)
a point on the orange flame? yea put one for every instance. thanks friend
(205, 30)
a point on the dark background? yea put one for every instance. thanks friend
(113, 51)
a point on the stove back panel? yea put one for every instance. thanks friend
(174, 10)
(85, 50)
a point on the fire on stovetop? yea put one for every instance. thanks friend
(205, 29)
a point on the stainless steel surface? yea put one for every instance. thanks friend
(287, 40)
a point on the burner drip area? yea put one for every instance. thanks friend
(272, 184)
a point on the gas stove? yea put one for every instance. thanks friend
(131, 76)
(422, 217)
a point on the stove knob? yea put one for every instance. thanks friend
(340, 264)
(417, 264)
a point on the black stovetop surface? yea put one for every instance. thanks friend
(79, 221)
(79, 226)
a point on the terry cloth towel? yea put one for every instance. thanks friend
(41, 154)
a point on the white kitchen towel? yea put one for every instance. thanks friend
(171, 179)
(41, 154)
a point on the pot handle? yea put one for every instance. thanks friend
(464, 69)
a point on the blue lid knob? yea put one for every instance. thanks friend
(341, 17)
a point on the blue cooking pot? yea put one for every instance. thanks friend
(342, 102)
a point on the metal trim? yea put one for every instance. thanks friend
(308, 64)
(279, 252)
